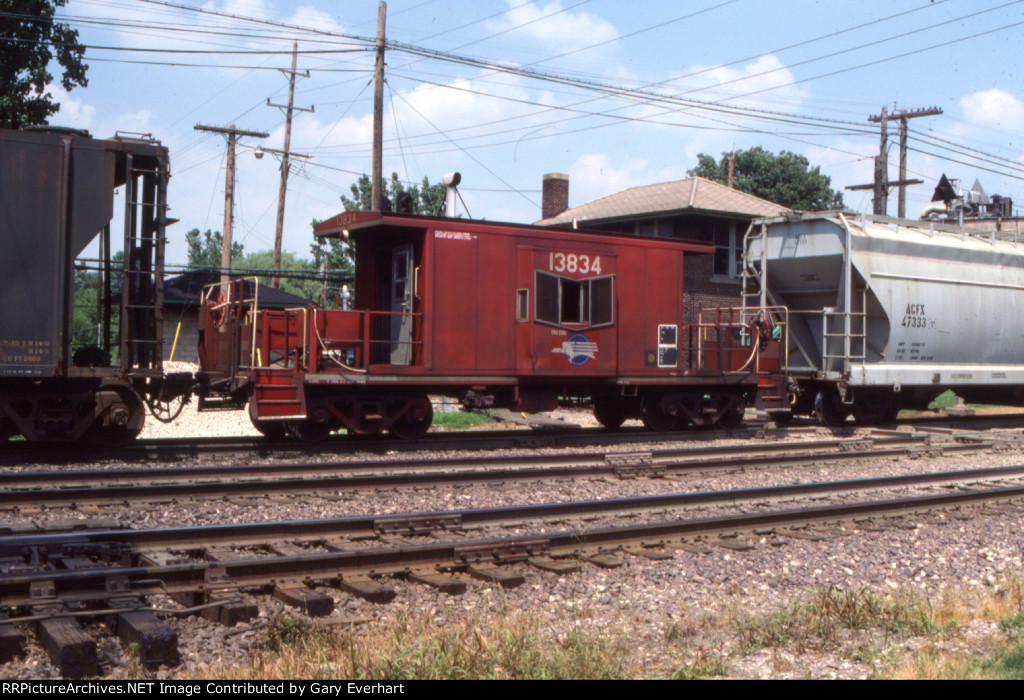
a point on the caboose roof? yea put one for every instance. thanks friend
(354, 222)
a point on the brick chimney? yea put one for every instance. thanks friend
(554, 195)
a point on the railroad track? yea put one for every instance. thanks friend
(134, 485)
(172, 450)
(53, 579)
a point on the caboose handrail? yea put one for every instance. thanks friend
(750, 323)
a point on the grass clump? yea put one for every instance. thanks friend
(513, 647)
(704, 667)
(455, 420)
(824, 616)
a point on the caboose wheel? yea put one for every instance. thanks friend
(273, 429)
(732, 418)
(416, 420)
(657, 415)
(610, 413)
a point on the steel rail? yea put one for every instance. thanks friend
(175, 449)
(206, 483)
(92, 585)
(436, 522)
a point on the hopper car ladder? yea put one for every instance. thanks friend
(142, 295)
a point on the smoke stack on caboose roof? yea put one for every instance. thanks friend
(451, 183)
(554, 195)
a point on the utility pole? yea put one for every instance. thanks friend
(882, 183)
(881, 198)
(376, 196)
(281, 193)
(229, 194)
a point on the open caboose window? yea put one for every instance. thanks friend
(562, 301)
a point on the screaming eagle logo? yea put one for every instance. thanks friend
(578, 350)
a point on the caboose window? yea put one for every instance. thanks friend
(564, 301)
(548, 292)
(602, 301)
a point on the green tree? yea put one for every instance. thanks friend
(427, 199)
(29, 41)
(298, 278)
(204, 249)
(87, 319)
(787, 179)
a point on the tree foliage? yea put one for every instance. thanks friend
(426, 199)
(204, 250)
(87, 317)
(787, 178)
(29, 41)
(298, 275)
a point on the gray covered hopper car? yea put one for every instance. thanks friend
(882, 316)
(56, 197)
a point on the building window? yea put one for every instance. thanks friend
(563, 301)
(728, 261)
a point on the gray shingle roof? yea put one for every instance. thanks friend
(694, 194)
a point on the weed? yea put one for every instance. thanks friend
(681, 630)
(1014, 625)
(288, 631)
(454, 420)
(507, 647)
(704, 666)
(772, 630)
(943, 400)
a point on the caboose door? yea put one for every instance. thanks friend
(401, 305)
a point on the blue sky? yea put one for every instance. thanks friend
(701, 75)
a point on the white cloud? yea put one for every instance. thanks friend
(995, 107)
(73, 112)
(762, 83)
(595, 175)
(314, 19)
(552, 24)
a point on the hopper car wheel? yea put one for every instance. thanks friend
(308, 431)
(118, 417)
(829, 409)
(877, 409)
(416, 421)
(610, 413)
(656, 415)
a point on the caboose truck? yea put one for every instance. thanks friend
(56, 196)
(499, 315)
(886, 315)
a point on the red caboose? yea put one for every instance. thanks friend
(498, 315)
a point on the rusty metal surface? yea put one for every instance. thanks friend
(360, 566)
(130, 485)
